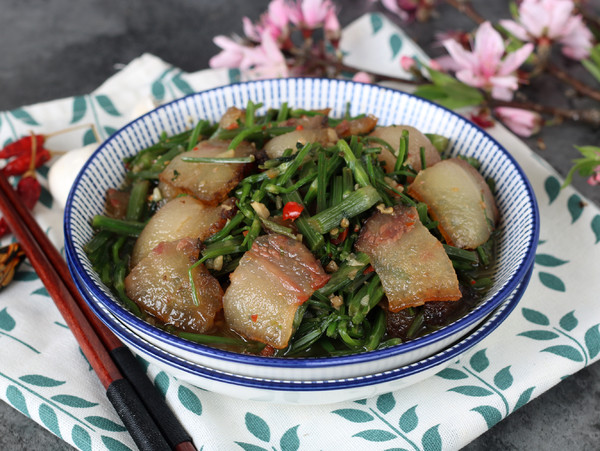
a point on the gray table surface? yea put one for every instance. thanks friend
(56, 48)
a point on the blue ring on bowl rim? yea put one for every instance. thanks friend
(305, 362)
(453, 351)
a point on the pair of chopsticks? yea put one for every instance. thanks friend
(138, 403)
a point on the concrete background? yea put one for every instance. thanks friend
(57, 48)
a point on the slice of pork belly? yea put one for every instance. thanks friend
(159, 284)
(412, 264)
(416, 140)
(272, 280)
(209, 183)
(275, 147)
(360, 126)
(459, 198)
(182, 217)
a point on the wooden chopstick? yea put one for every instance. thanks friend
(142, 409)
(169, 425)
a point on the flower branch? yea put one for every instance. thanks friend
(579, 86)
(301, 38)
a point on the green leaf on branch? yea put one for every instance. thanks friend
(584, 166)
(448, 91)
(593, 63)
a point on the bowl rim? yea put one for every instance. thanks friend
(491, 323)
(304, 362)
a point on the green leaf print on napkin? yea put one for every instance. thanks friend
(23, 116)
(25, 276)
(114, 445)
(16, 398)
(290, 441)
(189, 400)
(162, 382)
(550, 261)
(41, 381)
(79, 109)
(409, 420)
(395, 44)
(49, 418)
(258, 427)
(479, 362)
(105, 424)
(182, 85)
(383, 430)
(484, 381)
(42, 291)
(7, 322)
(573, 350)
(234, 75)
(46, 198)
(73, 401)
(89, 138)
(376, 22)
(81, 438)
(552, 187)
(595, 225)
(575, 205)
(551, 281)
(107, 105)
(490, 414)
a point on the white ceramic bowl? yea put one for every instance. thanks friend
(518, 227)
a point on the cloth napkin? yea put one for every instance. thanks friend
(552, 333)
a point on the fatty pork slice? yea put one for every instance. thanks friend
(159, 284)
(182, 217)
(459, 198)
(412, 264)
(275, 147)
(209, 183)
(360, 126)
(273, 279)
(416, 140)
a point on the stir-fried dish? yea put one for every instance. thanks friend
(292, 233)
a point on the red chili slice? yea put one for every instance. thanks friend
(292, 210)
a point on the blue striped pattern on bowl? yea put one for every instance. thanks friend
(519, 223)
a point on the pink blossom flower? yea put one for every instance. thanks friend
(407, 63)
(332, 27)
(522, 122)
(266, 60)
(435, 65)
(251, 30)
(594, 179)
(484, 67)
(362, 77)
(233, 54)
(275, 21)
(548, 21)
(310, 14)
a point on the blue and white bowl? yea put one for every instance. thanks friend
(308, 392)
(518, 226)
